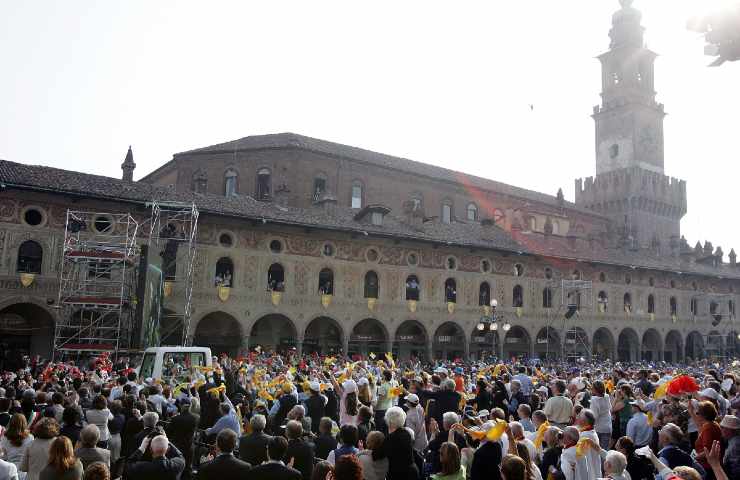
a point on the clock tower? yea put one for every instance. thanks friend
(630, 185)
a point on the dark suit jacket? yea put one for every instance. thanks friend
(398, 448)
(301, 452)
(92, 455)
(486, 462)
(253, 448)
(274, 471)
(160, 469)
(224, 467)
(181, 430)
(323, 445)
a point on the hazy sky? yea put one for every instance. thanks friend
(448, 83)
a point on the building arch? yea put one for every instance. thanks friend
(273, 332)
(602, 346)
(652, 346)
(627, 345)
(368, 335)
(220, 331)
(26, 328)
(410, 340)
(547, 344)
(484, 343)
(323, 335)
(30, 257)
(517, 343)
(449, 342)
(714, 345)
(673, 351)
(694, 348)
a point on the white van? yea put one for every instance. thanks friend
(173, 364)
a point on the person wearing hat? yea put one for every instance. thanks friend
(415, 421)
(285, 403)
(730, 426)
(315, 405)
(638, 428)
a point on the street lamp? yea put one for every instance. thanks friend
(492, 321)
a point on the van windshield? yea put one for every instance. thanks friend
(147, 365)
(179, 365)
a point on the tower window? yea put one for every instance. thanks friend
(472, 212)
(673, 306)
(230, 183)
(614, 151)
(319, 188)
(447, 212)
(264, 184)
(356, 195)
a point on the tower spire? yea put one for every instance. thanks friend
(128, 166)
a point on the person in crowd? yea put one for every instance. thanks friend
(638, 428)
(348, 437)
(253, 446)
(16, 440)
(300, 452)
(638, 467)
(226, 420)
(274, 468)
(8, 471)
(449, 460)
(399, 447)
(483, 398)
(224, 465)
(573, 465)
(347, 468)
(322, 470)
(365, 422)
(416, 422)
(115, 427)
(704, 415)
(373, 459)
(559, 408)
(89, 452)
(159, 466)
(671, 453)
(621, 409)
(36, 456)
(181, 431)
(97, 471)
(513, 468)
(524, 413)
(730, 426)
(552, 439)
(615, 466)
(325, 442)
(315, 405)
(600, 405)
(63, 465)
(487, 457)
(100, 415)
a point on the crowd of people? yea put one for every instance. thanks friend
(272, 416)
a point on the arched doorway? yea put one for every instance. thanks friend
(714, 347)
(733, 344)
(652, 346)
(627, 345)
(547, 344)
(410, 341)
(577, 344)
(273, 332)
(368, 336)
(449, 342)
(694, 346)
(517, 343)
(221, 332)
(673, 351)
(484, 343)
(603, 344)
(25, 329)
(323, 336)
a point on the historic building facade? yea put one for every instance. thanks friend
(325, 247)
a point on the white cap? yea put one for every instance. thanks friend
(315, 386)
(709, 393)
(413, 398)
(484, 413)
(442, 370)
(349, 386)
(363, 381)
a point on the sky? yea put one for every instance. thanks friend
(446, 83)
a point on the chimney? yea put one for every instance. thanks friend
(128, 166)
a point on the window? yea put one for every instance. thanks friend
(518, 296)
(602, 277)
(547, 298)
(417, 202)
(451, 263)
(694, 306)
(276, 246)
(484, 294)
(326, 282)
(627, 279)
(518, 270)
(264, 184)
(673, 284)
(103, 224)
(226, 240)
(472, 212)
(200, 182)
(30, 257)
(694, 286)
(376, 218)
(230, 183)
(371, 285)
(485, 266)
(372, 255)
(412, 259)
(224, 272)
(319, 188)
(603, 301)
(412, 288)
(356, 195)
(651, 281)
(98, 270)
(33, 217)
(447, 212)
(651, 304)
(714, 311)
(576, 275)
(627, 302)
(328, 249)
(548, 273)
(731, 307)
(276, 278)
(451, 290)
(555, 227)
(147, 364)
(614, 151)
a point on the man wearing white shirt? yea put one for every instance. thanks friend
(585, 422)
(573, 466)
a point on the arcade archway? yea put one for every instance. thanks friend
(219, 331)
(673, 351)
(273, 332)
(517, 343)
(449, 342)
(25, 329)
(714, 346)
(547, 344)
(694, 346)
(323, 336)
(732, 347)
(627, 345)
(368, 336)
(577, 344)
(603, 344)
(652, 346)
(410, 341)
(484, 344)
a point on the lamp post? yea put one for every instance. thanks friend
(491, 322)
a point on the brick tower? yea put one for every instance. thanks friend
(630, 185)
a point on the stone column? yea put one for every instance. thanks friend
(245, 344)
(345, 344)
(429, 351)
(299, 344)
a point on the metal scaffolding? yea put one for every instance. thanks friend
(173, 233)
(574, 295)
(97, 284)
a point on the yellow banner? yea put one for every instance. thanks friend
(451, 307)
(326, 300)
(167, 288)
(371, 303)
(412, 306)
(27, 279)
(275, 298)
(223, 293)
